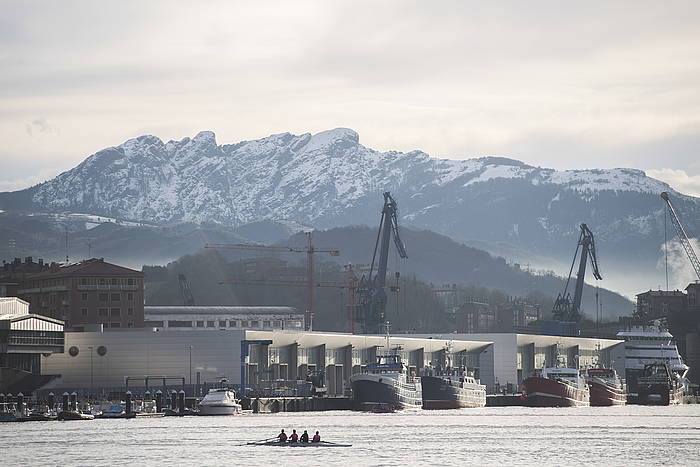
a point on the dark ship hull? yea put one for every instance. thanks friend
(446, 393)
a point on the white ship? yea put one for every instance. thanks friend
(647, 345)
(220, 402)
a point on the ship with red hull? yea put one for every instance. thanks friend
(556, 387)
(605, 387)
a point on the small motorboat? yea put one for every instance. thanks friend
(115, 411)
(65, 415)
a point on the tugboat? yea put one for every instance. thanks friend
(556, 387)
(657, 385)
(605, 387)
(387, 382)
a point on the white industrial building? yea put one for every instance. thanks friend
(188, 318)
(279, 357)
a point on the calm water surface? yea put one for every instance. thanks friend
(631, 435)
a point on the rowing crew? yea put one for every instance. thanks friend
(295, 438)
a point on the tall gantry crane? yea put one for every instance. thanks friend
(372, 288)
(564, 308)
(310, 250)
(682, 236)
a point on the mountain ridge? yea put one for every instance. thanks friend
(329, 179)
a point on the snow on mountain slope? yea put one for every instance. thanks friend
(330, 179)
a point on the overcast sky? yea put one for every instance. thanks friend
(556, 84)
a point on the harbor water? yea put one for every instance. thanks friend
(631, 435)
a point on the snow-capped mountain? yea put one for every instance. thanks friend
(330, 179)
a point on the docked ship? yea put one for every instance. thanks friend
(657, 385)
(605, 387)
(386, 383)
(648, 345)
(220, 401)
(556, 387)
(452, 390)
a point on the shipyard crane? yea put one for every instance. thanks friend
(310, 250)
(566, 309)
(185, 291)
(682, 236)
(372, 290)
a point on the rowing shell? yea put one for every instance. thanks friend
(320, 444)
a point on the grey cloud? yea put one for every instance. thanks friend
(41, 125)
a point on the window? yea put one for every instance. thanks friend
(222, 323)
(115, 281)
(102, 282)
(103, 312)
(130, 311)
(276, 324)
(104, 297)
(266, 324)
(130, 281)
(244, 323)
(116, 297)
(130, 296)
(254, 324)
(232, 323)
(84, 311)
(179, 324)
(130, 325)
(84, 296)
(116, 312)
(83, 281)
(115, 325)
(210, 324)
(200, 324)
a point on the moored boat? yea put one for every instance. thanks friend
(647, 345)
(605, 387)
(65, 415)
(221, 401)
(386, 382)
(556, 387)
(450, 391)
(657, 385)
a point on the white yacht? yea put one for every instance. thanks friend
(647, 345)
(221, 401)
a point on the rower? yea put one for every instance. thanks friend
(294, 437)
(316, 438)
(304, 437)
(282, 437)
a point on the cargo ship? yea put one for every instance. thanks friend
(556, 387)
(452, 391)
(605, 387)
(657, 385)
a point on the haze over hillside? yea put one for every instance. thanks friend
(525, 213)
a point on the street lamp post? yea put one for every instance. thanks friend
(91, 374)
(190, 365)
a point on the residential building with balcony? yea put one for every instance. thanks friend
(88, 293)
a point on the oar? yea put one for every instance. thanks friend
(258, 441)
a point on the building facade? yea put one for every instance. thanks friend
(187, 318)
(24, 339)
(92, 292)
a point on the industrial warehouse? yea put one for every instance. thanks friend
(277, 361)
